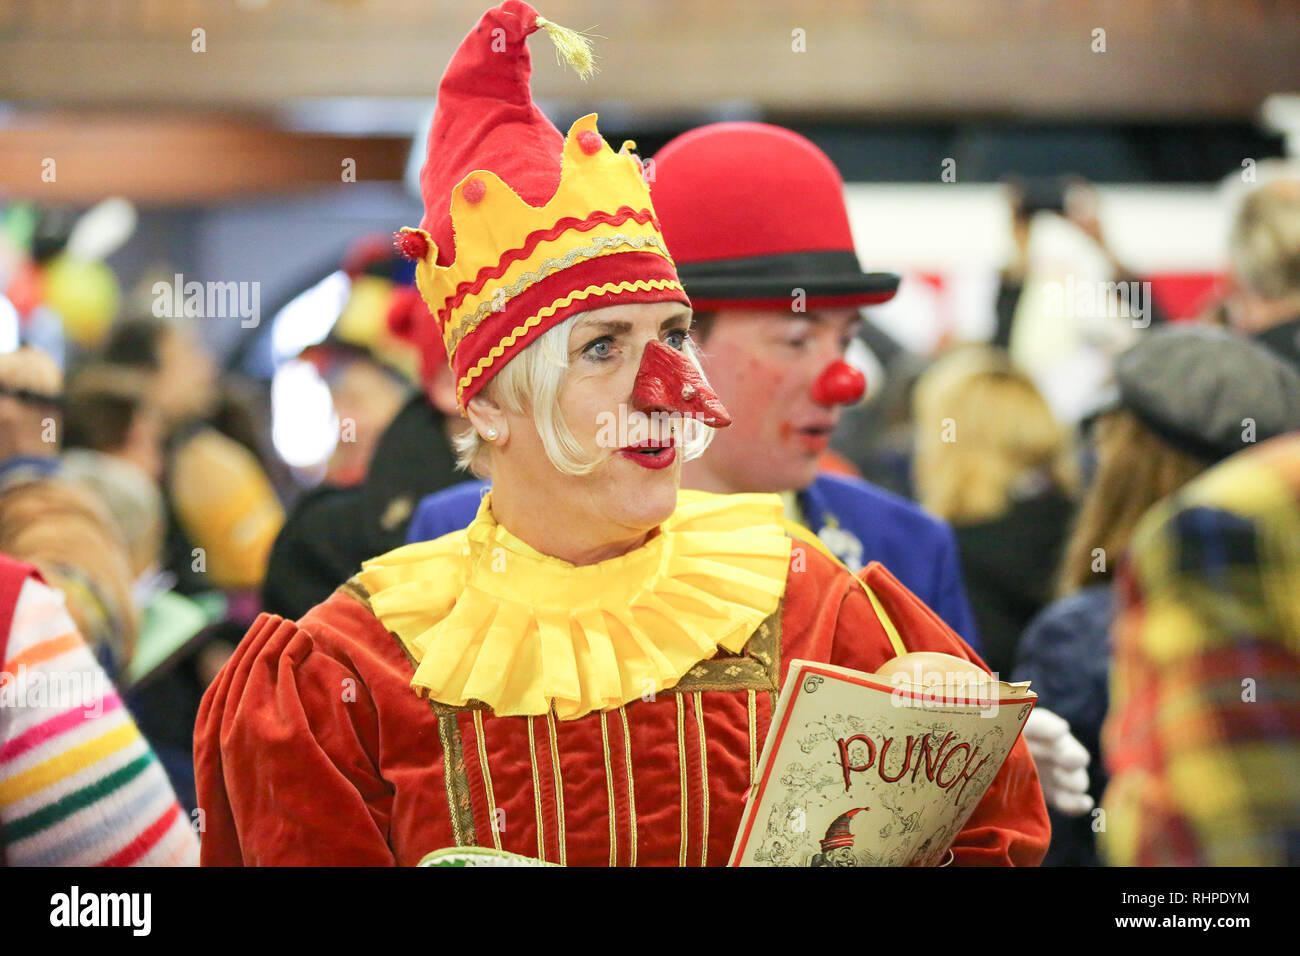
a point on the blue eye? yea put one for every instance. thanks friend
(599, 349)
(677, 339)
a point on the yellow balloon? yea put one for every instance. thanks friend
(86, 296)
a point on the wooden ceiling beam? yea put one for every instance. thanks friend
(1164, 59)
(171, 159)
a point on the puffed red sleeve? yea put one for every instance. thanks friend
(1010, 826)
(281, 753)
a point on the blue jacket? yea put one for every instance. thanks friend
(1066, 653)
(856, 520)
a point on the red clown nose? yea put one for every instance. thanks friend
(668, 382)
(839, 384)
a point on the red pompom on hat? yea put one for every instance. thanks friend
(753, 212)
(412, 244)
(524, 227)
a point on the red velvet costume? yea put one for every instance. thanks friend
(392, 720)
(292, 771)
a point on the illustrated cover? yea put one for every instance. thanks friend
(864, 770)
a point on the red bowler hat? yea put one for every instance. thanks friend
(752, 212)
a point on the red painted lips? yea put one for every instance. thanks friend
(659, 453)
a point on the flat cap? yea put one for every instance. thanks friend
(1207, 391)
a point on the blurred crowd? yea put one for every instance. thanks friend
(1126, 557)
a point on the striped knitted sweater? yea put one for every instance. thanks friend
(79, 786)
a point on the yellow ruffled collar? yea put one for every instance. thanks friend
(488, 618)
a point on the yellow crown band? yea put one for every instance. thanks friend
(497, 232)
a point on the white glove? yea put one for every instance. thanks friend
(1061, 761)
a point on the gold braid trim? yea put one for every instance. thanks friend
(354, 589)
(537, 791)
(559, 784)
(593, 250)
(631, 785)
(753, 737)
(487, 777)
(609, 790)
(698, 702)
(456, 780)
(757, 667)
(681, 766)
(640, 285)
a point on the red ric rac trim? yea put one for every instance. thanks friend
(488, 273)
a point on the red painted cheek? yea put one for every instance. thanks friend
(765, 376)
(758, 385)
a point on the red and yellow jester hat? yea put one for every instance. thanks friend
(522, 227)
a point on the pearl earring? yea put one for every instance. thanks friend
(491, 434)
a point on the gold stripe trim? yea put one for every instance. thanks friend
(559, 783)
(640, 285)
(537, 791)
(681, 766)
(354, 589)
(499, 298)
(631, 785)
(753, 737)
(456, 781)
(487, 779)
(609, 790)
(894, 637)
(698, 702)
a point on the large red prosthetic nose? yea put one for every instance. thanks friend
(839, 384)
(668, 382)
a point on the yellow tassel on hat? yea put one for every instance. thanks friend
(571, 46)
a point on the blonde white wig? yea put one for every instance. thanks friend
(531, 381)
